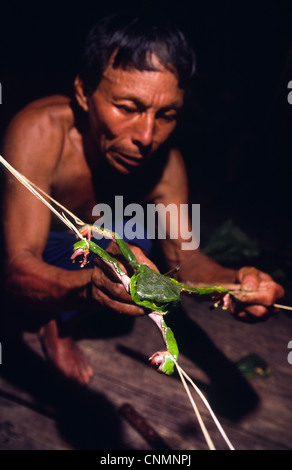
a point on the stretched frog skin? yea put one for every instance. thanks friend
(155, 292)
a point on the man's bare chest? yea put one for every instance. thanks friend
(73, 187)
(80, 187)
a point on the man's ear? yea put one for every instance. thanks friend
(79, 93)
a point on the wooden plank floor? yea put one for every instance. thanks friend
(41, 410)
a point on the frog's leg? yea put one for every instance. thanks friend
(204, 290)
(218, 293)
(126, 252)
(83, 247)
(164, 360)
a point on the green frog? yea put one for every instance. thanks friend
(157, 293)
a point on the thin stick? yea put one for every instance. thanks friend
(283, 307)
(205, 401)
(172, 271)
(74, 217)
(201, 422)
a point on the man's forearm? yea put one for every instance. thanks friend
(197, 267)
(44, 287)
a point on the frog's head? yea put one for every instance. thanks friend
(152, 290)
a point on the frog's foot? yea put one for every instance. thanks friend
(83, 253)
(65, 354)
(223, 301)
(163, 361)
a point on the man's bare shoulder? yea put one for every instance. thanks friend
(49, 101)
(52, 111)
(40, 128)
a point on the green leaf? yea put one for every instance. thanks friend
(252, 365)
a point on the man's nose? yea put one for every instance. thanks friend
(144, 130)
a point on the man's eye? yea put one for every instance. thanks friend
(169, 117)
(126, 108)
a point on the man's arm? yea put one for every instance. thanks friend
(32, 145)
(261, 290)
(172, 191)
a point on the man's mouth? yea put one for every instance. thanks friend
(130, 160)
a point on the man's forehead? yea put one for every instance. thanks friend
(132, 77)
(113, 73)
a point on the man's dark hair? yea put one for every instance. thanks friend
(134, 40)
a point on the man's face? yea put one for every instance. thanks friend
(131, 113)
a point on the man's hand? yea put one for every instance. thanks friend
(108, 290)
(257, 295)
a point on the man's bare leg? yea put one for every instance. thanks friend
(65, 354)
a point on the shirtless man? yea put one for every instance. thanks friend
(111, 139)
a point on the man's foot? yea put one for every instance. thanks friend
(65, 354)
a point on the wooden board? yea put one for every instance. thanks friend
(39, 409)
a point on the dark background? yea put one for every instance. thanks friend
(235, 131)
